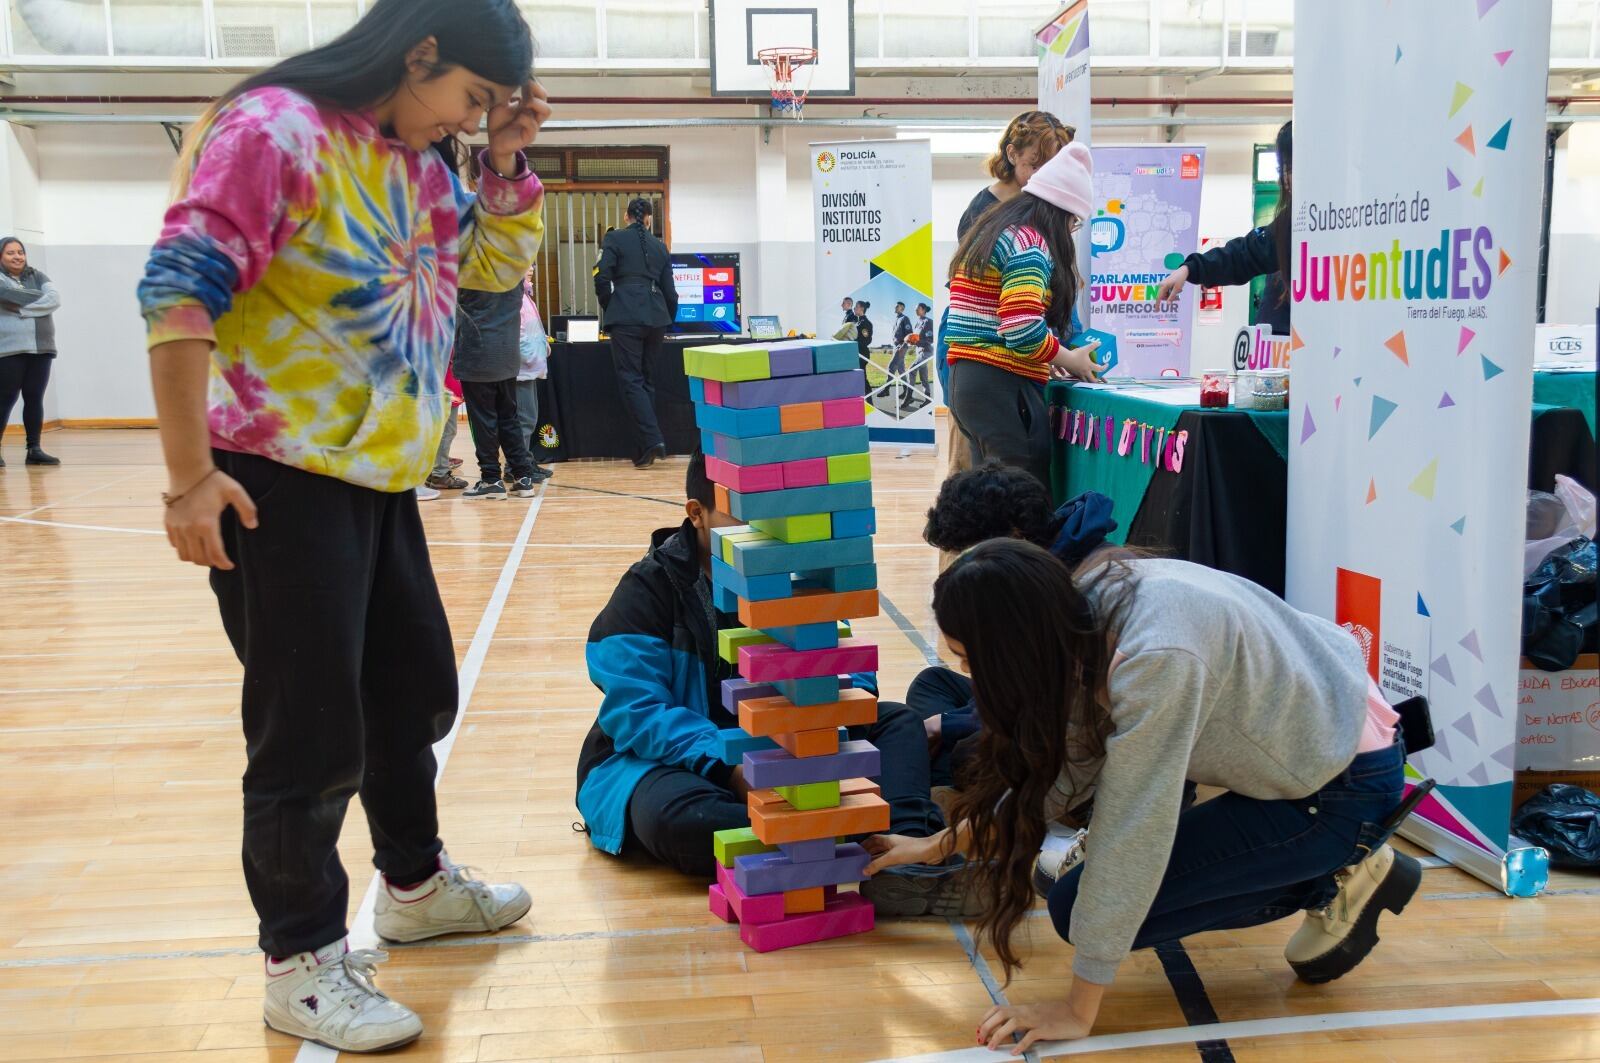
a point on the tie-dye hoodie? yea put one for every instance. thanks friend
(322, 260)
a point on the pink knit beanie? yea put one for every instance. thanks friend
(1066, 181)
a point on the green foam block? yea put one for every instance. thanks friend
(728, 362)
(811, 795)
(807, 528)
(729, 639)
(849, 468)
(729, 845)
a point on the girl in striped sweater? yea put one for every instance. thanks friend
(1013, 282)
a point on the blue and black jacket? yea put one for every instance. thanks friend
(1240, 261)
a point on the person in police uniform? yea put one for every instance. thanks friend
(633, 281)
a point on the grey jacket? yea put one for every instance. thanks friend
(26, 306)
(1220, 682)
(488, 335)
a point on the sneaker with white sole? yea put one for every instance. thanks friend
(1332, 941)
(493, 491)
(944, 890)
(1055, 862)
(450, 902)
(329, 997)
(526, 487)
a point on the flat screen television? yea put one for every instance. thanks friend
(708, 292)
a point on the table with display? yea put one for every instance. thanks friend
(1227, 505)
(580, 408)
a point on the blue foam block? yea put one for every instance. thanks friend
(763, 557)
(708, 443)
(727, 421)
(750, 588)
(733, 744)
(765, 769)
(800, 501)
(805, 636)
(855, 522)
(839, 580)
(792, 446)
(748, 394)
(737, 690)
(817, 690)
(776, 873)
(724, 599)
(697, 389)
(835, 356)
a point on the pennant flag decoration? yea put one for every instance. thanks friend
(1372, 491)
(1477, 189)
(1441, 668)
(1451, 182)
(1308, 427)
(1501, 57)
(1501, 137)
(1295, 342)
(1422, 606)
(1459, 526)
(1464, 339)
(1382, 409)
(1490, 370)
(1459, 100)
(1505, 263)
(1486, 698)
(1469, 642)
(1426, 480)
(1336, 351)
(1466, 141)
(1397, 346)
(1446, 400)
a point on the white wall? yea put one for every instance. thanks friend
(22, 216)
(1574, 289)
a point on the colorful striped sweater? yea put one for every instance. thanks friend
(998, 318)
(322, 260)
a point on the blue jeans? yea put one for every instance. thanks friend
(1239, 862)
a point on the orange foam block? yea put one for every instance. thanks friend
(856, 814)
(847, 913)
(766, 717)
(801, 417)
(720, 496)
(808, 606)
(799, 902)
(823, 743)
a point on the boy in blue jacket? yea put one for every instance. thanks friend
(649, 777)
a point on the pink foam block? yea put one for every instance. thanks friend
(774, 661)
(767, 908)
(714, 393)
(836, 413)
(846, 913)
(807, 472)
(720, 906)
(746, 479)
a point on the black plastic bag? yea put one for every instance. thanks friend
(1565, 819)
(1559, 616)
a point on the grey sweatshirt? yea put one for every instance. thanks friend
(26, 306)
(1221, 682)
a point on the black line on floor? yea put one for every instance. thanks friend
(675, 503)
(909, 630)
(997, 994)
(1192, 998)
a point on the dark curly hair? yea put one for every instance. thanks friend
(990, 501)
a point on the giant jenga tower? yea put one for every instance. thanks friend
(783, 429)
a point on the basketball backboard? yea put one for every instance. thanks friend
(742, 28)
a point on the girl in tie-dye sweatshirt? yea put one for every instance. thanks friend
(301, 308)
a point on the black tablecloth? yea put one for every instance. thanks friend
(580, 409)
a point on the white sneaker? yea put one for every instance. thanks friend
(426, 493)
(1332, 941)
(328, 996)
(1055, 861)
(451, 902)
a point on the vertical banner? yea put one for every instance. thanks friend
(872, 202)
(1415, 251)
(1063, 44)
(1147, 208)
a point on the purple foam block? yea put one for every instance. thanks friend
(795, 361)
(773, 767)
(748, 394)
(737, 690)
(809, 852)
(775, 873)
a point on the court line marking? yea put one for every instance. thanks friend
(82, 494)
(997, 994)
(362, 934)
(1293, 1024)
(78, 527)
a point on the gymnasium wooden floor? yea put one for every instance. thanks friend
(125, 933)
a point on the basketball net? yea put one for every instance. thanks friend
(789, 72)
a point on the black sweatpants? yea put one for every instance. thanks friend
(942, 692)
(349, 680)
(24, 375)
(674, 812)
(496, 426)
(1003, 416)
(633, 349)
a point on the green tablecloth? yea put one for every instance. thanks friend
(1566, 389)
(1074, 470)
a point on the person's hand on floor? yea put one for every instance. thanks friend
(1052, 1021)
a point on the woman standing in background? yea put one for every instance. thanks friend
(28, 302)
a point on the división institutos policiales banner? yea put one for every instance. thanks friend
(1416, 246)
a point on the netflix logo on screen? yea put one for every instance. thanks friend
(1358, 608)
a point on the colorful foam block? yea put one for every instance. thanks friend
(766, 717)
(708, 444)
(856, 814)
(849, 578)
(807, 472)
(811, 690)
(849, 468)
(790, 446)
(828, 498)
(762, 664)
(821, 743)
(733, 744)
(712, 390)
(805, 528)
(843, 413)
(721, 538)
(772, 800)
(746, 478)
(801, 417)
(853, 523)
(751, 588)
(765, 556)
(846, 914)
(771, 768)
(801, 902)
(812, 795)
(811, 636)
(737, 690)
(731, 639)
(719, 493)
(834, 356)
(727, 362)
(791, 361)
(749, 394)
(724, 599)
(747, 908)
(727, 421)
(809, 606)
(697, 389)
(806, 852)
(719, 900)
(767, 874)
(730, 844)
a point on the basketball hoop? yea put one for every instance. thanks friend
(783, 65)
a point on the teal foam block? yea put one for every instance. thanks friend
(840, 580)
(806, 636)
(792, 446)
(799, 501)
(855, 523)
(835, 356)
(724, 599)
(733, 744)
(697, 389)
(708, 443)
(750, 588)
(764, 557)
(727, 421)
(817, 690)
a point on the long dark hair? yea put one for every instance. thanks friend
(1036, 681)
(1283, 220)
(1054, 224)
(367, 63)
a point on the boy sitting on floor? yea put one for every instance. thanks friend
(649, 776)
